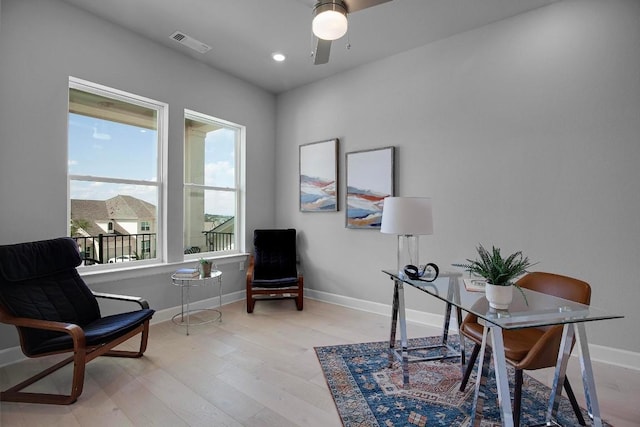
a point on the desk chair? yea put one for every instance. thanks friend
(273, 271)
(531, 348)
(54, 311)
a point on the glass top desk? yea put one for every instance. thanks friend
(541, 310)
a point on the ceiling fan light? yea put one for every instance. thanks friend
(330, 22)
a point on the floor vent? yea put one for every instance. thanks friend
(190, 42)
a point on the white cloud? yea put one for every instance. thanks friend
(219, 174)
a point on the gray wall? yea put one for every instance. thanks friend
(42, 43)
(526, 134)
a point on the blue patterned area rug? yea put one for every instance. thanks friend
(368, 394)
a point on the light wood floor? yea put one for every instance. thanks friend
(248, 370)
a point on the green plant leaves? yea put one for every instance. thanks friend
(496, 269)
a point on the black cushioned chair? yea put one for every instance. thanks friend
(42, 294)
(273, 271)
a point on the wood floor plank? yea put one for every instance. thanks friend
(273, 396)
(184, 401)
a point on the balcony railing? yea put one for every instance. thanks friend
(219, 241)
(114, 248)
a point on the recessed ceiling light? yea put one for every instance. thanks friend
(278, 57)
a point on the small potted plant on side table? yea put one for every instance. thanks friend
(205, 267)
(500, 274)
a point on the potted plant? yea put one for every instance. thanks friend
(500, 273)
(205, 267)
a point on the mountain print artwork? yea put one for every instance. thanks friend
(318, 176)
(369, 180)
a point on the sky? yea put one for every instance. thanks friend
(113, 150)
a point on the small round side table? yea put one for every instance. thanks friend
(185, 285)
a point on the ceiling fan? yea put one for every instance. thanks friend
(330, 23)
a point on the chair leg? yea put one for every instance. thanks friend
(574, 402)
(517, 397)
(14, 394)
(144, 337)
(250, 301)
(467, 371)
(299, 298)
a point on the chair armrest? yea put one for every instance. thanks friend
(250, 271)
(140, 301)
(50, 325)
(76, 332)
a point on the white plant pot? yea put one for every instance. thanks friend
(499, 297)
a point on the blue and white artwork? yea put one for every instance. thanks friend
(369, 181)
(318, 176)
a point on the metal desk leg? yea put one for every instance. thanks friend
(502, 381)
(480, 393)
(500, 370)
(445, 327)
(587, 374)
(394, 323)
(453, 294)
(403, 336)
(398, 311)
(560, 373)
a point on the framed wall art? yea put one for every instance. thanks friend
(370, 178)
(319, 176)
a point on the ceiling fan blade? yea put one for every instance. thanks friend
(321, 55)
(356, 5)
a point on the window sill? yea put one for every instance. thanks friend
(115, 274)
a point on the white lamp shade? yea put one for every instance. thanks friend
(330, 25)
(407, 216)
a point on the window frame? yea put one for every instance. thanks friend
(161, 167)
(239, 178)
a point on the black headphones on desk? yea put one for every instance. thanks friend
(414, 273)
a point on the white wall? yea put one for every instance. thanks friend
(526, 134)
(42, 43)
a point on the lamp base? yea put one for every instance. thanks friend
(407, 253)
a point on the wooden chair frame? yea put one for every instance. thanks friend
(81, 353)
(286, 292)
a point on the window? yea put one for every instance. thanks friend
(115, 142)
(213, 152)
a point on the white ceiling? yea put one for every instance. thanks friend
(244, 33)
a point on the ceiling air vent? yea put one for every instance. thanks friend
(190, 42)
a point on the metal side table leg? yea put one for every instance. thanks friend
(188, 309)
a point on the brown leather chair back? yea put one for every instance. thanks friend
(557, 285)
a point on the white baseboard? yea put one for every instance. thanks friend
(612, 356)
(598, 353)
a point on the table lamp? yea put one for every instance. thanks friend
(408, 218)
